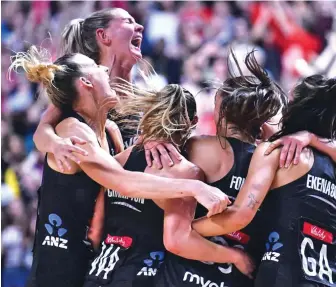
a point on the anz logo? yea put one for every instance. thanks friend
(152, 264)
(272, 245)
(56, 232)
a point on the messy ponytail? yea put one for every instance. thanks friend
(248, 101)
(166, 114)
(57, 78)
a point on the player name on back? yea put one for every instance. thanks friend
(321, 185)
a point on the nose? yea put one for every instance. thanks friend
(139, 28)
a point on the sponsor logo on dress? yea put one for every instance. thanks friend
(56, 232)
(272, 245)
(152, 264)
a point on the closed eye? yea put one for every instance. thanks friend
(130, 20)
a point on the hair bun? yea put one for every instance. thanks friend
(41, 73)
(37, 64)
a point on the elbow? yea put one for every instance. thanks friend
(174, 243)
(245, 217)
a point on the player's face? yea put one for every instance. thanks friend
(94, 76)
(125, 35)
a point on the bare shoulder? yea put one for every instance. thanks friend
(73, 127)
(189, 170)
(261, 149)
(293, 172)
(200, 141)
(198, 146)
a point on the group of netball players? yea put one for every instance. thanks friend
(212, 211)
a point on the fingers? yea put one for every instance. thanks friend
(78, 150)
(284, 153)
(156, 158)
(273, 146)
(60, 165)
(63, 163)
(166, 160)
(297, 154)
(72, 157)
(173, 151)
(148, 157)
(290, 155)
(77, 140)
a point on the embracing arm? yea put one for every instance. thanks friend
(292, 146)
(182, 240)
(179, 238)
(105, 170)
(325, 146)
(45, 134)
(258, 182)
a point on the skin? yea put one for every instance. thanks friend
(117, 53)
(94, 99)
(179, 237)
(265, 174)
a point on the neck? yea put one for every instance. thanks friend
(94, 118)
(231, 132)
(119, 68)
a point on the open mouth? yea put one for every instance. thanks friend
(136, 43)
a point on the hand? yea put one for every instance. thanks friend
(165, 149)
(213, 199)
(292, 145)
(63, 151)
(244, 263)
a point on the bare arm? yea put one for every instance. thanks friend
(325, 146)
(45, 134)
(258, 182)
(182, 240)
(46, 140)
(292, 146)
(105, 170)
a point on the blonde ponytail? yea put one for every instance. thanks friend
(37, 65)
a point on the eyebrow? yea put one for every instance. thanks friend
(129, 18)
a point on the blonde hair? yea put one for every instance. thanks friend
(164, 113)
(37, 65)
(55, 77)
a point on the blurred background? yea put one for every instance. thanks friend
(185, 42)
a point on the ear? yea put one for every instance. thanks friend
(263, 133)
(84, 82)
(102, 36)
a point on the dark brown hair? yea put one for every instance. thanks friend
(249, 101)
(312, 109)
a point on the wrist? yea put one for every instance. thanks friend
(235, 255)
(196, 188)
(313, 139)
(55, 143)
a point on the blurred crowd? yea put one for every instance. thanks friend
(185, 42)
